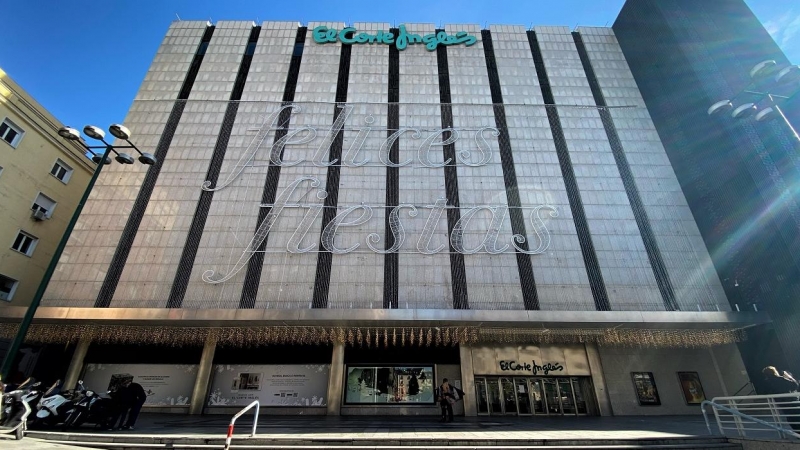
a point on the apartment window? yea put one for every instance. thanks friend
(25, 243)
(62, 171)
(43, 207)
(7, 287)
(10, 133)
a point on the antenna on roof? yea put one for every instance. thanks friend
(606, 25)
(531, 26)
(179, 17)
(576, 27)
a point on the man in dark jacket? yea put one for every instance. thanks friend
(132, 397)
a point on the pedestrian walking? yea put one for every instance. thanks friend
(446, 398)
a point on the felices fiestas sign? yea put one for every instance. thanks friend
(349, 35)
(532, 367)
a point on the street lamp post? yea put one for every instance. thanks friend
(72, 134)
(766, 76)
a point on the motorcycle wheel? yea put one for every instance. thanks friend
(71, 421)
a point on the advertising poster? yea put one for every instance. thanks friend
(393, 385)
(272, 385)
(645, 386)
(691, 387)
(164, 384)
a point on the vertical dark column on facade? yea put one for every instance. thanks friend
(322, 281)
(391, 261)
(529, 295)
(256, 263)
(642, 221)
(458, 271)
(204, 204)
(596, 282)
(143, 198)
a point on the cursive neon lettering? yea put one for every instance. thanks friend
(349, 35)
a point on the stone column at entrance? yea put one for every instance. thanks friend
(203, 377)
(336, 380)
(468, 381)
(76, 365)
(599, 380)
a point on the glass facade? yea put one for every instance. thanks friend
(395, 385)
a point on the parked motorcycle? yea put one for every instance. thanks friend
(15, 408)
(53, 407)
(89, 407)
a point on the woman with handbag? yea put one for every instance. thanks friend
(447, 397)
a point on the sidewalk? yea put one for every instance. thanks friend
(416, 427)
(8, 443)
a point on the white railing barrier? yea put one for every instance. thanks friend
(239, 414)
(756, 413)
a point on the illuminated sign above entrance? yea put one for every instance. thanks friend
(533, 367)
(349, 35)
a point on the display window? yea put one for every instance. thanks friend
(389, 385)
(645, 385)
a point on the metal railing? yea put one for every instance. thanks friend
(239, 414)
(756, 415)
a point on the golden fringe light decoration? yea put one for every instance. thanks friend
(319, 335)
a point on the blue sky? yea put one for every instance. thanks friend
(84, 60)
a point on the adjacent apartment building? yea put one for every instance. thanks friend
(342, 215)
(42, 178)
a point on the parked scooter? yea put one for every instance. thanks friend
(15, 408)
(89, 407)
(53, 407)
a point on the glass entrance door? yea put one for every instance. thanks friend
(551, 396)
(580, 400)
(509, 396)
(537, 397)
(480, 390)
(523, 397)
(565, 393)
(495, 400)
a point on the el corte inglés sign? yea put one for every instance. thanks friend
(350, 35)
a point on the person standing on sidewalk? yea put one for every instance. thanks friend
(446, 398)
(133, 396)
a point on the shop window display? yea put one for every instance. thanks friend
(389, 385)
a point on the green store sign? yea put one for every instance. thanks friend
(349, 35)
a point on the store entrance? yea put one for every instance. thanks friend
(527, 396)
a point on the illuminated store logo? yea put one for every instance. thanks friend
(349, 35)
(533, 367)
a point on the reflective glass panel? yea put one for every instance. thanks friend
(567, 400)
(523, 398)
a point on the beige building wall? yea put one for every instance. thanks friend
(26, 165)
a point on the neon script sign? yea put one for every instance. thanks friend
(349, 35)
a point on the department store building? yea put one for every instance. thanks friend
(342, 215)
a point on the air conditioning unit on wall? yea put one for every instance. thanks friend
(39, 214)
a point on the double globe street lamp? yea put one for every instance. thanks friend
(121, 133)
(766, 76)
